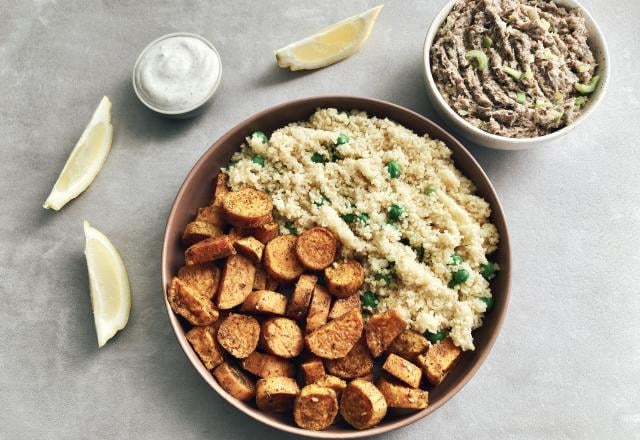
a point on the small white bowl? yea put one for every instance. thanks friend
(181, 113)
(481, 137)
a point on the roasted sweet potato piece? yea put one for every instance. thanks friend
(312, 369)
(438, 360)
(266, 365)
(192, 305)
(344, 278)
(368, 377)
(276, 394)
(265, 233)
(280, 259)
(316, 248)
(362, 405)
(382, 329)
(234, 235)
(408, 345)
(236, 283)
(343, 305)
(203, 278)
(234, 382)
(204, 343)
(335, 383)
(282, 337)
(264, 302)
(315, 407)
(336, 338)
(250, 248)
(403, 370)
(356, 363)
(247, 208)
(319, 309)
(212, 215)
(220, 189)
(399, 395)
(300, 300)
(239, 335)
(198, 231)
(260, 279)
(209, 250)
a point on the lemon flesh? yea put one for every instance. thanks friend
(86, 158)
(108, 284)
(330, 45)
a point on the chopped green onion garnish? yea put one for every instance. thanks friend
(515, 74)
(292, 229)
(369, 299)
(487, 42)
(348, 218)
(480, 57)
(431, 191)
(386, 277)
(436, 337)
(586, 89)
(317, 158)
(364, 218)
(580, 101)
(521, 97)
(456, 259)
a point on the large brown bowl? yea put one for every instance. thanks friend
(196, 192)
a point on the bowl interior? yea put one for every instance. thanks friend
(196, 191)
(601, 53)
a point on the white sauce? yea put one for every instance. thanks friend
(178, 73)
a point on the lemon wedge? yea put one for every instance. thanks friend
(86, 158)
(108, 284)
(330, 45)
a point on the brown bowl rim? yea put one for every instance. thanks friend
(459, 153)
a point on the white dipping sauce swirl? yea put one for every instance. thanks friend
(178, 73)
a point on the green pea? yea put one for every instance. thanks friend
(394, 169)
(458, 277)
(348, 218)
(395, 212)
(436, 337)
(488, 301)
(386, 277)
(260, 135)
(342, 139)
(369, 300)
(317, 158)
(258, 159)
(488, 271)
(364, 218)
(456, 259)
(291, 228)
(431, 191)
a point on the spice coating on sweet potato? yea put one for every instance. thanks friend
(362, 405)
(250, 248)
(236, 282)
(267, 365)
(204, 343)
(234, 382)
(247, 208)
(382, 329)
(197, 231)
(276, 394)
(204, 278)
(192, 305)
(344, 278)
(315, 408)
(438, 360)
(399, 395)
(239, 335)
(318, 309)
(403, 370)
(336, 338)
(300, 300)
(264, 302)
(280, 259)
(209, 250)
(316, 248)
(282, 337)
(356, 363)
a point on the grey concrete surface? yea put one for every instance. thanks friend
(567, 364)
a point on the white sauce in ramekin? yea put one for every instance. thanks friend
(178, 73)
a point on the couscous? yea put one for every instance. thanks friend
(396, 203)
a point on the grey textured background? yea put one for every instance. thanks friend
(567, 364)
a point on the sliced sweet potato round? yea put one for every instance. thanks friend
(276, 394)
(298, 304)
(267, 365)
(189, 303)
(204, 343)
(247, 208)
(382, 329)
(335, 383)
(239, 335)
(344, 278)
(316, 248)
(234, 382)
(315, 407)
(399, 395)
(202, 277)
(282, 337)
(197, 231)
(362, 405)
(280, 259)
